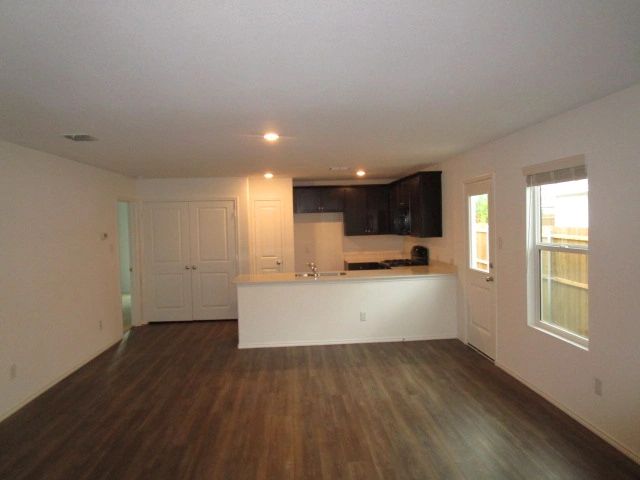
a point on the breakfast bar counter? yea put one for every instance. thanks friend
(397, 272)
(399, 304)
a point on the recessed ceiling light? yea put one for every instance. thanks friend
(80, 137)
(268, 175)
(271, 137)
(361, 173)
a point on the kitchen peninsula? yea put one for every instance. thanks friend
(288, 309)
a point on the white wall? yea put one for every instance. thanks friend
(319, 238)
(373, 243)
(607, 132)
(58, 278)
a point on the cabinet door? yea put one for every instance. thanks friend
(394, 193)
(355, 211)
(395, 209)
(403, 195)
(331, 199)
(366, 210)
(306, 200)
(318, 199)
(414, 196)
(425, 202)
(431, 188)
(377, 210)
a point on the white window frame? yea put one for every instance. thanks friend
(535, 247)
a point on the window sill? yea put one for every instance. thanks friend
(565, 336)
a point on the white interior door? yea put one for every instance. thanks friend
(480, 273)
(213, 259)
(167, 273)
(268, 234)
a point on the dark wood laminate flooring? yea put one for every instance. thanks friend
(180, 401)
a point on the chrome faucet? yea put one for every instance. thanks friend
(314, 269)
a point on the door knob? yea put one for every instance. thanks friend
(194, 267)
(187, 267)
(488, 279)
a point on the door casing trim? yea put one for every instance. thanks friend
(494, 259)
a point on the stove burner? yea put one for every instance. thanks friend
(400, 262)
(419, 256)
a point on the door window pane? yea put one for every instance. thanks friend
(479, 232)
(564, 290)
(564, 213)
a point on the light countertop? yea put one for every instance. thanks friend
(436, 268)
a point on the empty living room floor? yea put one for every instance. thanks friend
(180, 401)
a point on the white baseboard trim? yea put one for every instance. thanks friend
(342, 341)
(58, 379)
(603, 435)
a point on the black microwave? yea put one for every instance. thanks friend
(402, 220)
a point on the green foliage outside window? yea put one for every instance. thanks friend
(482, 209)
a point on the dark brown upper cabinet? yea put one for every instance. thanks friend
(318, 199)
(409, 206)
(416, 205)
(366, 210)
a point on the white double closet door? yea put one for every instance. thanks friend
(189, 261)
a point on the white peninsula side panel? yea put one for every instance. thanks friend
(274, 314)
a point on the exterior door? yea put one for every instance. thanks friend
(213, 259)
(268, 235)
(167, 280)
(480, 273)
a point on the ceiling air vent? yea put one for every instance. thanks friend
(338, 169)
(80, 137)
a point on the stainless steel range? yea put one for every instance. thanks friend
(419, 256)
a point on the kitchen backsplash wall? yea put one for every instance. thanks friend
(438, 250)
(372, 248)
(319, 238)
(373, 243)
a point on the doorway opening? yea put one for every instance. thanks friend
(126, 262)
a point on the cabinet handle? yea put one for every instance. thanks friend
(187, 267)
(194, 267)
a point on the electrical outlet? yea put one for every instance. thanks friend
(100, 324)
(363, 316)
(13, 371)
(597, 386)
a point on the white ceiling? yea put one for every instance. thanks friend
(186, 88)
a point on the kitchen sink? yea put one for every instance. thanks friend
(320, 274)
